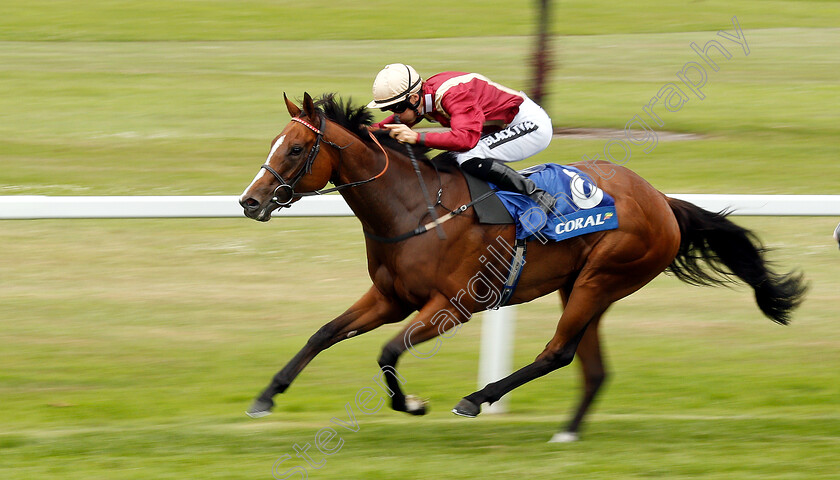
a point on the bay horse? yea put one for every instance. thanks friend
(329, 141)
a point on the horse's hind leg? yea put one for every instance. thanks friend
(369, 312)
(594, 374)
(434, 319)
(586, 303)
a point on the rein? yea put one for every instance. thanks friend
(429, 207)
(310, 160)
(307, 168)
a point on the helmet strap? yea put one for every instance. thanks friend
(415, 107)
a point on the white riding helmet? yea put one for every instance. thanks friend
(393, 84)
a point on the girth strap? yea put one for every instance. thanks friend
(516, 266)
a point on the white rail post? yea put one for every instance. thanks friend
(496, 362)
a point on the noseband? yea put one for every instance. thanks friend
(307, 166)
(289, 187)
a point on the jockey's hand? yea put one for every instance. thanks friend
(402, 133)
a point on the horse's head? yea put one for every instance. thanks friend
(293, 164)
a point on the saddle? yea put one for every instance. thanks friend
(491, 210)
(581, 208)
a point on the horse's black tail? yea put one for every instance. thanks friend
(713, 249)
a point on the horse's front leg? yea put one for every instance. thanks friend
(368, 313)
(436, 318)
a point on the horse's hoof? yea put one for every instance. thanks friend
(416, 405)
(837, 234)
(260, 408)
(564, 437)
(466, 408)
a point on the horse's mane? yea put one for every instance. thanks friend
(357, 119)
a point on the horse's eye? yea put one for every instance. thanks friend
(295, 150)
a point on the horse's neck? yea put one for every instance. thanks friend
(393, 203)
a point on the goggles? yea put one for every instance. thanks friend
(397, 107)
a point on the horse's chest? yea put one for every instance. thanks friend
(411, 282)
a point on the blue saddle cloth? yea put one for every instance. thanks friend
(581, 206)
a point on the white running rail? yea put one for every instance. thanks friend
(227, 206)
(497, 326)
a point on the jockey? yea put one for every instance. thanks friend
(469, 104)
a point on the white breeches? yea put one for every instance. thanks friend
(528, 134)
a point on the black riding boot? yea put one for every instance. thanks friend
(508, 179)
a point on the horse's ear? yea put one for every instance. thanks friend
(308, 105)
(294, 111)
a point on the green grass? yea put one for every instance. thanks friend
(131, 348)
(196, 118)
(190, 20)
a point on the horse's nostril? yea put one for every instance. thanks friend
(249, 203)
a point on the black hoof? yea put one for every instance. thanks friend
(466, 408)
(260, 408)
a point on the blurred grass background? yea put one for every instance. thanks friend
(130, 348)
